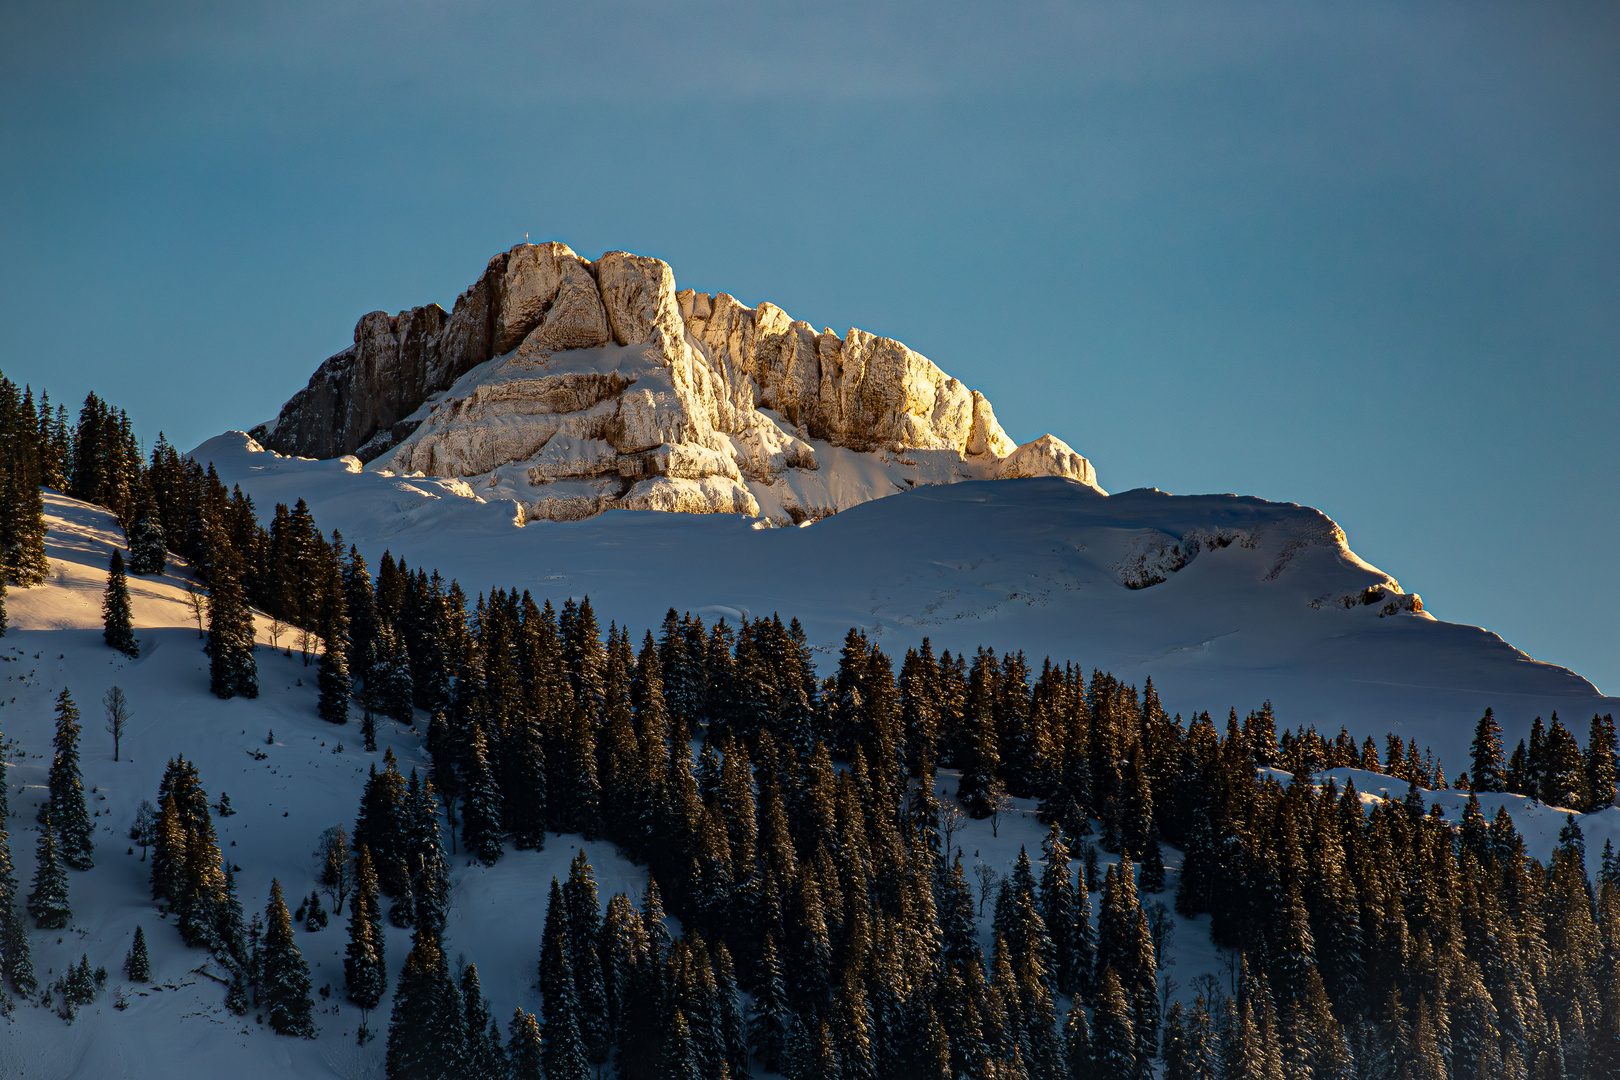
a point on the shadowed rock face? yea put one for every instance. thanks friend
(717, 396)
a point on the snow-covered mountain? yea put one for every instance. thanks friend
(290, 775)
(1224, 601)
(572, 387)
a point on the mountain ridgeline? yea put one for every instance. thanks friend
(573, 387)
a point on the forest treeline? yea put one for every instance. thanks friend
(791, 824)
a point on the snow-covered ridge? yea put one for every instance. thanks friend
(574, 387)
(1280, 612)
(286, 791)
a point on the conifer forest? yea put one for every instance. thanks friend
(809, 908)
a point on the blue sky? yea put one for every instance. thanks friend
(1368, 260)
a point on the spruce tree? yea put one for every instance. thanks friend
(1113, 1045)
(771, 1021)
(148, 553)
(283, 974)
(118, 631)
(365, 971)
(136, 965)
(480, 803)
(72, 819)
(524, 1047)
(484, 1055)
(427, 1037)
(1601, 763)
(337, 684)
(3, 621)
(232, 669)
(16, 963)
(48, 903)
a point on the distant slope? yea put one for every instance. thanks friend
(177, 1027)
(1255, 611)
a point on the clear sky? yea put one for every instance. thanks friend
(1364, 259)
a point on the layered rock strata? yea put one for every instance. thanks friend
(574, 387)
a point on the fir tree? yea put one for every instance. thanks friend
(283, 988)
(365, 971)
(427, 1029)
(118, 630)
(771, 1021)
(1485, 756)
(48, 903)
(73, 827)
(1601, 764)
(232, 669)
(16, 963)
(136, 964)
(148, 553)
(480, 803)
(335, 680)
(1113, 1049)
(524, 1047)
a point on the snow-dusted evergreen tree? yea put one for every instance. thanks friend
(137, 965)
(72, 819)
(16, 963)
(524, 1047)
(48, 903)
(1602, 766)
(283, 989)
(484, 1056)
(480, 803)
(365, 971)
(1113, 1044)
(771, 1019)
(427, 1037)
(232, 668)
(148, 553)
(118, 629)
(3, 621)
(336, 680)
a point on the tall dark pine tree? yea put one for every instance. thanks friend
(427, 1037)
(523, 1047)
(48, 903)
(148, 553)
(16, 964)
(232, 669)
(118, 629)
(365, 971)
(72, 820)
(337, 682)
(137, 965)
(480, 803)
(283, 973)
(1485, 766)
(1601, 765)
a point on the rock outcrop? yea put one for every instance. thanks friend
(573, 387)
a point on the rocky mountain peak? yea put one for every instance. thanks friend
(572, 387)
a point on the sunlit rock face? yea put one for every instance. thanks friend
(574, 387)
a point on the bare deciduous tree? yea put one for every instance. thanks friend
(197, 600)
(1003, 805)
(951, 821)
(277, 628)
(336, 864)
(117, 715)
(987, 880)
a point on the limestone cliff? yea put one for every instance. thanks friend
(573, 387)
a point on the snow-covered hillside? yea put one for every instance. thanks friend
(287, 791)
(1225, 601)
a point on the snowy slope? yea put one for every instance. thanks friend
(178, 1026)
(1036, 564)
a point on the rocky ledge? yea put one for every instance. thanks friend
(574, 387)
